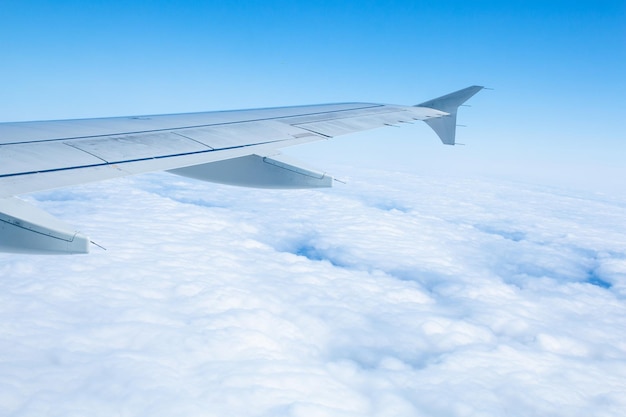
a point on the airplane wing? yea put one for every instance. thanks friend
(232, 147)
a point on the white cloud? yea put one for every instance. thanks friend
(393, 295)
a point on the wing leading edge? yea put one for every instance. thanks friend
(232, 147)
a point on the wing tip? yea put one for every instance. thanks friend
(445, 126)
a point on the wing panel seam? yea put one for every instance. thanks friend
(87, 152)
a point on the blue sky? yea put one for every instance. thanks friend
(556, 66)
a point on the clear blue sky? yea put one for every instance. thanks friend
(557, 68)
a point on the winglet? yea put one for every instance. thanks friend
(445, 127)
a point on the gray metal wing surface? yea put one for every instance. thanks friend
(234, 147)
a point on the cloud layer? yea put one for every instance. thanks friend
(393, 295)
